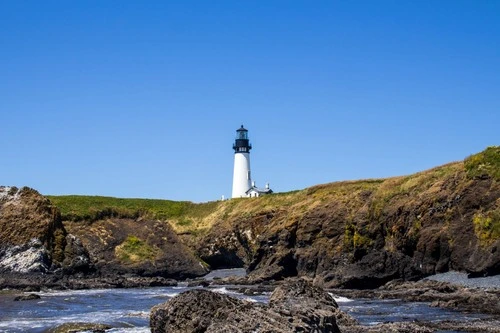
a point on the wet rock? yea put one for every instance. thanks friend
(198, 283)
(297, 306)
(439, 294)
(388, 328)
(76, 256)
(80, 327)
(446, 295)
(305, 303)
(34, 282)
(28, 297)
(32, 288)
(235, 280)
(32, 236)
(476, 326)
(30, 257)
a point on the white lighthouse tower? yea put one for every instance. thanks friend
(242, 179)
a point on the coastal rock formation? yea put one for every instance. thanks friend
(32, 236)
(362, 234)
(444, 295)
(295, 307)
(353, 234)
(80, 327)
(438, 293)
(142, 247)
(28, 297)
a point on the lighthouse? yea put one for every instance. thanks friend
(243, 186)
(242, 179)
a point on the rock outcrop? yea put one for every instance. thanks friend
(297, 306)
(33, 238)
(28, 297)
(353, 234)
(80, 327)
(362, 234)
(443, 294)
(141, 247)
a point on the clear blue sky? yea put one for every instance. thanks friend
(142, 98)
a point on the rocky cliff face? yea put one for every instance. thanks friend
(362, 234)
(137, 246)
(357, 234)
(32, 237)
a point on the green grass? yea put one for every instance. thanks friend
(485, 163)
(197, 218)
(487, 226)
(92, 208)
(134, 250)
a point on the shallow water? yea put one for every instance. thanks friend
(127, 310)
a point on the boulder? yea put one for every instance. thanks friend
(28, 297)
(33, 238)
(295, 307)
(30, 257)
(80, 327)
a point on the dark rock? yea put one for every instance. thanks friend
(236, 280)
(305, 304)
(33, 282)
(474, 326)
(295, 307)
(32, 236)
(80, 327)
(108, 240)
(280, 265)
(198, 283)
(28, 297)
(389, 328)
(373, 270)
(439, 294)
(32, 289)
(363, 234)
(76, 257)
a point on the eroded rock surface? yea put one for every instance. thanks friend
(34, 242)
(439, 294)
(294, 307)
(363, 234)
(33, 238)
(80, 327)
(141, 247)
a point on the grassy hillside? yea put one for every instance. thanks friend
(92, 208)
(188, 217)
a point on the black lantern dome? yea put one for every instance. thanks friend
(242, 143)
